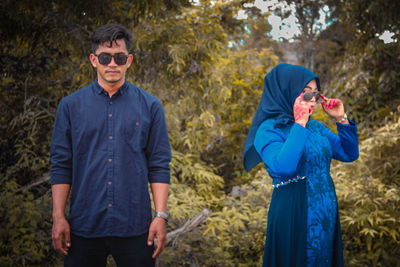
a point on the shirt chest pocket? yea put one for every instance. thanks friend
(135, 132)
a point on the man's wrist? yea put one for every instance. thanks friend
(58, 216)
(162, 214)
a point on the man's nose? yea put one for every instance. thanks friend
(112, 62)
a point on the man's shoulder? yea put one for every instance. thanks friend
(136, 91)
(78, 94)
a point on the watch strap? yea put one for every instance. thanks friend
(161, 214)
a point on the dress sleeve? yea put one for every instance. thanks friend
(280, 153)
(61, 147)
(345, 145)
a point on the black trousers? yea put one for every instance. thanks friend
(126, 251)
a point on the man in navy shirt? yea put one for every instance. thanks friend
(109, 142)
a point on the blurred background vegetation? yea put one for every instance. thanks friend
(207, 67)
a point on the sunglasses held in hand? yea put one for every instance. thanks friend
(105, 58)
(309, 95)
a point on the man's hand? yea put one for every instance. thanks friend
(61, 235)
(158, 230)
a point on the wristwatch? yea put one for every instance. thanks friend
(162, 214)
(343, 120)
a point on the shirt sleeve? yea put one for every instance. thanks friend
(158, 150)
(345, 145)
(60, 148)
(280, 153)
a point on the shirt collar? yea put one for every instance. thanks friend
(100, 90)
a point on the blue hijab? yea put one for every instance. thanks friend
(282, 85)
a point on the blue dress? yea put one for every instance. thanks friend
(303, 223)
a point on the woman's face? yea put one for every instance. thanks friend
(312, 88)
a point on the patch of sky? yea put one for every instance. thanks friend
(286, 28)
(386, 37)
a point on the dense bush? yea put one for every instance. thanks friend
(369, 199)
(207, 68)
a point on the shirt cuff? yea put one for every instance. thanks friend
(159, 177)
(60, 179)
(351, 124)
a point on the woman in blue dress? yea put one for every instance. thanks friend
(303, 223)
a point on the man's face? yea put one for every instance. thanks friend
(112, 73)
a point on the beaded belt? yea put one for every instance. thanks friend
(292, 180)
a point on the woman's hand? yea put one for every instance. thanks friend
(333, 107)
(301, 111)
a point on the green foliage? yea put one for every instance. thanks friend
(234, 234)
(239, 227)
(23, 241)
(367, 71)
(369, 199)
(367, 17)
(369, 80)
(207, 68)
(215, 88)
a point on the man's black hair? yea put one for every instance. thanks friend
(110, 33)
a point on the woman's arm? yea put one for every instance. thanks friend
(345, 145)
(281, 153)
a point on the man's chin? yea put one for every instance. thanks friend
(113, 80)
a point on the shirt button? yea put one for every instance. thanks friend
(109, 182)
(110, 137)
(137, 123)
(110, 205)
(110, 115)
(110, 102)
(109, 160)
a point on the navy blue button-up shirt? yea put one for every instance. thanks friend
(109, 149)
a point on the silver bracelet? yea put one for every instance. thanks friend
(343, 120)
(161, 214)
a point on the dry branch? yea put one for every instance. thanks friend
(39, 181)
(188, 226)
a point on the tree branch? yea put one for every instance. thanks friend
(40, 181)
(187, 227)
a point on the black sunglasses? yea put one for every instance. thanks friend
(309, 95)
(105, 58)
